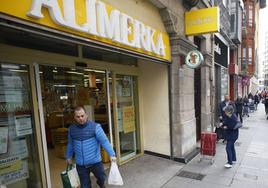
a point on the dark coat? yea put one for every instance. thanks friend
(256, 99)
(239, 105)
(230, 122)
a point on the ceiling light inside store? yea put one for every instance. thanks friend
(72, 72)
(64, 97)
(55, 71)
(64, 85)
(15, 70)
(98, 81)
(98, 71)
(8, 66)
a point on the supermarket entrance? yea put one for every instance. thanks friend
(109, 99)
(63, 89)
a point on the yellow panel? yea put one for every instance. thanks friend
(202, 21)
(20, 8)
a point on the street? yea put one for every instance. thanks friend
(251, 169)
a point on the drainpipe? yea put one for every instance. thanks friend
(212, 86)
(170, 100)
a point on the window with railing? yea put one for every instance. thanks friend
(250, 55)
(244, 18)
(250, 15)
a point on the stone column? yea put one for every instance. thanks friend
(206, 93)
(182, 93)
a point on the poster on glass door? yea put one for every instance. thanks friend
(128, 119)
(3, 139)
(23, 125)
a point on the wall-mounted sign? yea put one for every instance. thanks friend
(202, 21)
(194, 59)
(94, 20)
(220, 52)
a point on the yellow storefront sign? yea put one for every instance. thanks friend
(93, 20)
(202, 21)
(128, 119)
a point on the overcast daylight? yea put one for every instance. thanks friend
(133, 94)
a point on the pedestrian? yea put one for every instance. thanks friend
(226, 102)
(256, 100)
(250, 96)
(239, 108)
(84, 140)
(265, 101)
(231, 135)
(246, 106)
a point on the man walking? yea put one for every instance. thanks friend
(84, 140)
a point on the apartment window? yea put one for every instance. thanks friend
(244, 53)
(232, 23)
(244, 19)
(250, 15)
(250, 55)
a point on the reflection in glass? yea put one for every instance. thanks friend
(19, 162)
(127, 116)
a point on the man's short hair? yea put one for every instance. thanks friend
(78, 108)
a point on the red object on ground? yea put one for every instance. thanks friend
(208, 143)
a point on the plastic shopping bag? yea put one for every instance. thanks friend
(115, 177)
(70, 178)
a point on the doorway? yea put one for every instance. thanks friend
(127, 116)
(109, 99)
(62, 89)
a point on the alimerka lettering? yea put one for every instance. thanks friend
(115, 25)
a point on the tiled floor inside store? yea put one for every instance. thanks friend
(58, 165)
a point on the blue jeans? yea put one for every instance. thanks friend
(84, 174)
(230, 149)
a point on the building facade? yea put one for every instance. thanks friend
(100, 54)
(57, 56)
(249, 51)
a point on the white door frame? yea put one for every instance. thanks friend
(42, 123)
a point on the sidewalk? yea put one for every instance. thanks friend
(251, 169)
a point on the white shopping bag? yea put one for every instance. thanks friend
(73, 177)
(115, 177)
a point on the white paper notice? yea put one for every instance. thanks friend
(17, 175)
(23, 125)
(3, 139)
(18, 148)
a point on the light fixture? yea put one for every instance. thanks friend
(73, 72)
(9, 66)
(16, 70)
(64, 85)
(92, 70)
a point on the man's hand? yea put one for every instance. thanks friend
(113, 159)
(69, 161)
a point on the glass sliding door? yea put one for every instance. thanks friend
(127, 116)
(19, 162)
